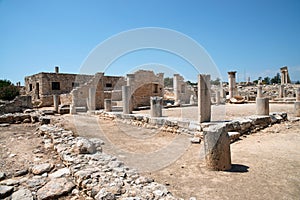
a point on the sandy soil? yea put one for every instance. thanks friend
(265, 164)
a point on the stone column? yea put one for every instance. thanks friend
(262, 106)
(107, 105)
(74, 100)
(231, 80)
(297, 103)
(176, 87)
(259, 91)
(130, 79)
(72, 109)
(92, 99)
(55, 102)
(204, 102)
(218, 97)
(281, 91)
(156, 104)
(217, 148)
(126, 96)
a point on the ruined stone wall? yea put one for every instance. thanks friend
(65, 99)
(144, 85)
(43, 86)
(19, 104)
(182, 91)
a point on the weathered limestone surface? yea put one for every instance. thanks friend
(107, 105)
(126, 98)
(19, 104)
(204, 101)
(262, 106)
(156, 106)
(217, 148)
(297, 103)
(232, 83)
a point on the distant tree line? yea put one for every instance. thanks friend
(275, 80)
(7, 90)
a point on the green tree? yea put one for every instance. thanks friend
(215, 82)
(168, 82)
(275, 79)
(191, 83)
(266, 80)
(7, 90)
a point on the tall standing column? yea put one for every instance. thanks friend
(282, 76)
(176, 87)
(204, 102)
(231, 80)
(281, 91)
(297, 103)
(126, 96)
(130, 79)
(92, 99)
(218, 97)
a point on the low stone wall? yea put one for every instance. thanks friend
(99, 175)
(246, 125)
(19, 104)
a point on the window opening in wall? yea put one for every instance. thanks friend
(30, 87)
(155, 90)
(37, 90)
(55, 85)
(108, 85)
(75, 84)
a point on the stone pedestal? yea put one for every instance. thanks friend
(55, 102)
(107, 105)
(156, 104)
(204, 102)
(262, 106)
(217, 149)
(126, 96)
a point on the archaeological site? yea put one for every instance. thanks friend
(78, 136)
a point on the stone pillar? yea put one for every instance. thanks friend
(204, 102)
(231, 80)
(217, 148)
(130, 79)
(297, 103)
(55, 102)
(126, 96)
(218, 97)
(176, 87)
(262, 106)
(281, 91)
(92, 99)
(259, 91)
(107, 105)
(156, 104)
(72, 109)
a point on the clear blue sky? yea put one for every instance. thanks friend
(255, 38)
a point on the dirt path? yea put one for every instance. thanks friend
(265, 165)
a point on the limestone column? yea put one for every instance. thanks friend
(217, 148)
(282, 76)
(156, 104)
(126, 96)
(92, 99)
(297, 103)
(130, 79)
(176, 87)
(204, 102)
(259, 91)
(107, 105)
(74, 101)
(55, 102)
(218, 97)
(281, 91)
(262, 104)
(231, 80)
